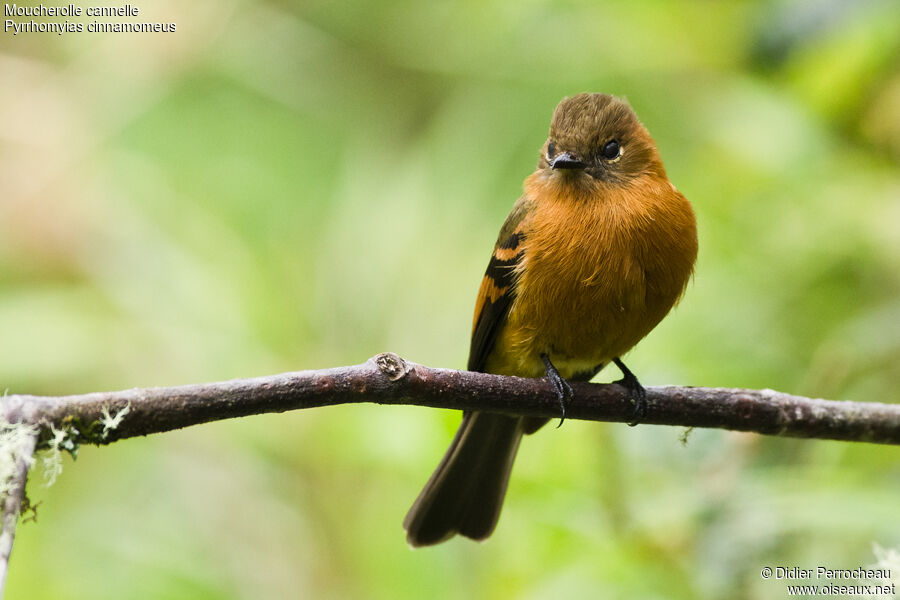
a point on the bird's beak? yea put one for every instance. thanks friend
(565, 160)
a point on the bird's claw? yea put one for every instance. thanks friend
(636, 393)
(562, 388)
(638, 397)
(565, 396)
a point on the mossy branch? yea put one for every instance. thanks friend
(17, 443)
(99, 418)
(63, 422)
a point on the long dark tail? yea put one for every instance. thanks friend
(465, 493)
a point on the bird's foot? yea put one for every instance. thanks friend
(560, 386)
(635, 390)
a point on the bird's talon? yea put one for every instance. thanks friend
(562, 388)
(564, 399)
(636, 393)
(639, 399)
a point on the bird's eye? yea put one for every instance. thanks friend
(551, 149)
(611, 150)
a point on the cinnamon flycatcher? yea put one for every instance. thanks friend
(596, 251)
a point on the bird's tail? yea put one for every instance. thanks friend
(465, 493)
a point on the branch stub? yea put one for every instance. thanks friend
(392, 366)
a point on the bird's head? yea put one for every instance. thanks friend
(598, 136)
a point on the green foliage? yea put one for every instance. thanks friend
(295, 185)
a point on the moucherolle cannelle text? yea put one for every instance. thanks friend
(30, 19)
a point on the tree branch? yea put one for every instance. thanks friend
(388, 379)
(104, 417)
(19, 443)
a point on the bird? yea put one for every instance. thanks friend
(595, 252)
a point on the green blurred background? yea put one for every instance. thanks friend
(294, 185)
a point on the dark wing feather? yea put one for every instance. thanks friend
(494, 299)
(498, 287)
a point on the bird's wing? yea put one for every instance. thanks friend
(498, 287)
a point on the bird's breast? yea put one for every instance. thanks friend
(597, 274)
